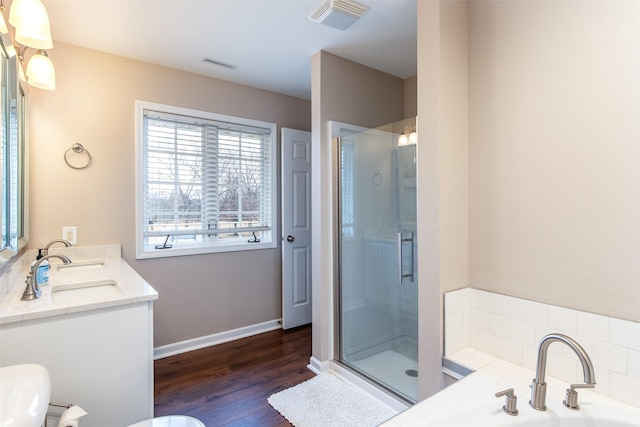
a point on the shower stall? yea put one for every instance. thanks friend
(376, 259)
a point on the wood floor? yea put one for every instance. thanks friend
(228, 384)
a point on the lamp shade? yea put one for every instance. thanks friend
(413, 137)
(3, 24)
(40, 72)
(403, 139)
(30, 19)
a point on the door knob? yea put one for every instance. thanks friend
(290, 239)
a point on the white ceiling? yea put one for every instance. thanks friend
(271, 41)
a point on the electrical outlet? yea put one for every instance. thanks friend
(70, 234)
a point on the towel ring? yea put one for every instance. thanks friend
(78, 149)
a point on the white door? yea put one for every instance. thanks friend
(296, 228)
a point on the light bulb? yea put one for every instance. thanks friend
(402, 139)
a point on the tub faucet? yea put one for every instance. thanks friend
(539, 387)
(32, 291)
(45, 251)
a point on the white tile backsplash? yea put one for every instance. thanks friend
(455, 320)
(529, 355)
(523, 332)
(625, 388)
(593, 326)
(499, 325)
(489, 302)
(634, 364)
(510, 307)
(479, 319)
(489, 343)
(510, 329)
(510, 351)
(473, 297)
(564, 368)
(458, 301)
(626, 334)
(563, 319)
(611, 357)
(535, 312)
(603, 379)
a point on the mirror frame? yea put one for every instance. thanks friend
(14, 157)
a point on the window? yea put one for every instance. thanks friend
(206, 182)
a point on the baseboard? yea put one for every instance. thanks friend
(214, 339)
(317, 366)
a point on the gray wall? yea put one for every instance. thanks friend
(94, 105)
(554, 150)
(411, 97)
(528, 167)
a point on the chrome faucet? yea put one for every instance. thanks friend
(539, 386)
(32, 291)
(45, 251)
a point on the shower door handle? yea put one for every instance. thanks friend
(401, 241)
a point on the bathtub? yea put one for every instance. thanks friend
(589, 415)
(471, 402)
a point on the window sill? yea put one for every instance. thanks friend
(201, 250)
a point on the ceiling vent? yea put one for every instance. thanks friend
(219, 63)
(339, 14)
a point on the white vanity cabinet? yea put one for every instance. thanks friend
(100, 360)
(97, 347)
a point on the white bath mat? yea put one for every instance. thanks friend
(327, 401)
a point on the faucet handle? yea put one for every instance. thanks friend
(571, 398)
(511, 401)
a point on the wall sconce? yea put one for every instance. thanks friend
(413, 136)
(403, 139)
(30, 22)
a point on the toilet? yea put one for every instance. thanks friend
(170, 421)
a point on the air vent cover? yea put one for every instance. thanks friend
(219, 63)
(339, 14)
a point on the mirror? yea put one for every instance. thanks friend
(13, 155)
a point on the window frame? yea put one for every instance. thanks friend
(146, 252)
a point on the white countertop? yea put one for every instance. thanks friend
(133, 288)
(477, 391)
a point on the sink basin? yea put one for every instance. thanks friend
(82, 265)
(87, 290)
(24, 395)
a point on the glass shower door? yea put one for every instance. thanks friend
(378, 315)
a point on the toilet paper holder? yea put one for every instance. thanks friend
(61, 405)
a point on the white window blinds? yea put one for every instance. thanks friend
(205, 182)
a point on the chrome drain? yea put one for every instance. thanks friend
(411, 372)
